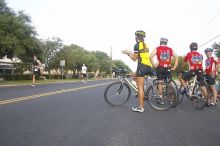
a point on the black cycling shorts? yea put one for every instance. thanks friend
(163, 72)
(190, 74)
(210, 80)
(36, 73)
(143, 70)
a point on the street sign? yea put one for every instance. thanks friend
(62, 62)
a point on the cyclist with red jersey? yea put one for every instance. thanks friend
(164, 55)
(210, 70)
(195, 61)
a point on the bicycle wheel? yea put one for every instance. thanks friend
(175, 87)
(160, 103)
(117, 93)
(198, 98)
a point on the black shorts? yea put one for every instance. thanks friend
(163, 72)
(36, 73)
(210, 80)
(190, 74)
(84, 75)
(143, 70)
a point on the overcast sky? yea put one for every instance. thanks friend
(101, 24)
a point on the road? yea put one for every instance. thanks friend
(74, 114)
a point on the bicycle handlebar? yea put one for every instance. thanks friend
(119, 71)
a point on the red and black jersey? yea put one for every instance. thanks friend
(210, 65)
(195, 60)
(164, 56)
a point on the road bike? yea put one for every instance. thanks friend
(168, 80)
(119, 92)
(195, 95)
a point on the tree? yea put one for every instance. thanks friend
(216, 47)
(50, 48)
(121, 64)
(17, 36)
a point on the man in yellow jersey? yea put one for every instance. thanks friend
(141, 53)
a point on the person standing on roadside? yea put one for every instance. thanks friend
(84, 73)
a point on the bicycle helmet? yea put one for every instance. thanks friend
(140, 34)
(208, 50)
(193, 46)
(163, 41)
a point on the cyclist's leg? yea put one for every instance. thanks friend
(160, 72)
(184, 77)
(200, 78)
(140, 84)
(211, 82)
(134, 77)
(141, 71)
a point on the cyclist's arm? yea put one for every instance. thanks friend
(152, 57)
(176, 60)
(133, 56)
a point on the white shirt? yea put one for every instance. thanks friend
(84, 69)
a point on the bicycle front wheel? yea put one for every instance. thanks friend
(117, 93)
(163, 102)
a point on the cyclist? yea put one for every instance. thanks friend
(195, 61)
(164, 55)
(210, 70)
(141, 53)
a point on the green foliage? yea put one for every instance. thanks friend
(50, 48)
(120, 64)
(17, 36)
(179, 69)
(216, 47)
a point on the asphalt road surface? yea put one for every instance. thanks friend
(76, 114)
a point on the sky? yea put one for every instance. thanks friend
(104, 24)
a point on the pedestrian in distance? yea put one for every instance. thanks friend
(84, 73)
(36, 71)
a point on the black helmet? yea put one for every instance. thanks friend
(140, 34)
(163, 41)
(208, 50)
(193, 46)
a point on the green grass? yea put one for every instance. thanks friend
(14, 82)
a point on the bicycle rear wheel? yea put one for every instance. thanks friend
(161, 103)
(117, 93)
(175, 87)
(198, 99)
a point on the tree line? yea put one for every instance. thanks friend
(18, 38)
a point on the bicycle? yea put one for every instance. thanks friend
(168, 80)
(195, 94)
(123, 87)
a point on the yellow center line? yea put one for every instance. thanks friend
(47, 94)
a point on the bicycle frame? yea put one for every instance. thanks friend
(132, 87)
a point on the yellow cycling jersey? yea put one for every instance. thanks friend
(143, 53)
